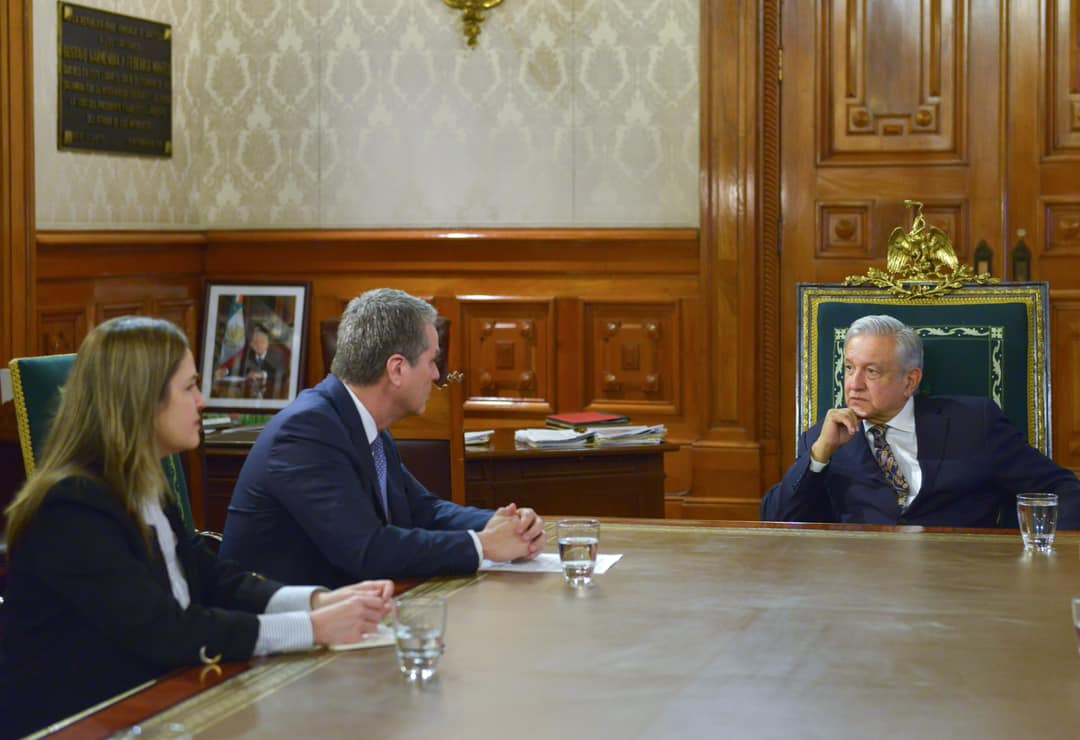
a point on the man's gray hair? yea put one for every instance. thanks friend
(909, 347)
(376, 325)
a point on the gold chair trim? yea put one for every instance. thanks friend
(22, 416)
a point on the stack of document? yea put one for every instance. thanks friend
(629, 435)
(547, 438)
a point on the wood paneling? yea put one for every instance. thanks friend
(892, 80)
(632, 356)
(17, 263)
(1065, 353)
(85, 278)
(509, 354)
(1062, 80)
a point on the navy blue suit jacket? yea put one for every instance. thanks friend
(306, 507)
(973, 462)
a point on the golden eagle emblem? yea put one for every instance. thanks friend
(923, 252)
(921, 263)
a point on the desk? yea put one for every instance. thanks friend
(707, 630)
(600, 481)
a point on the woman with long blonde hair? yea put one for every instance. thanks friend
(106, 589)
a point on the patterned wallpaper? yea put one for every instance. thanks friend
(373, 113)
(79, 190)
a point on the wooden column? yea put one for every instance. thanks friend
(16, 214)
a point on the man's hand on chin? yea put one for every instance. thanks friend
(837, 429)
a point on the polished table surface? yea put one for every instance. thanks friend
(711, 631)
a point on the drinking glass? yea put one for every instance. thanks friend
(1038, 515)
(579, 541)
(1076, 620)
(419, 625)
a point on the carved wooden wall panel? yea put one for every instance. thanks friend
(893, 79)
(106, 311)
(61, 329)
(183, 312)
(845, 231)
(85, 278)
(509, 351)
(633, 356)
(1063, 77)
(1063, 228)
(1065, 324)
(950, 217)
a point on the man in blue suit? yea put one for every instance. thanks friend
(323, 496)
(894, 457)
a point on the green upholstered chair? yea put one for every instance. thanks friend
(980, 337)
(983, 340)
(36, 384)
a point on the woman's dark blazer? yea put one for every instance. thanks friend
(89, 610)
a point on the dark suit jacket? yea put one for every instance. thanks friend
(273, 364)
(306, 507)
(90, 611)
(973, 462)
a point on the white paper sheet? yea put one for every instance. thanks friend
(382, 638)
(548, 562)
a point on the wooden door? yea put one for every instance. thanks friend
(1043, 185)
(883, 100)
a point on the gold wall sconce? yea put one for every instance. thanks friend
(472, 15)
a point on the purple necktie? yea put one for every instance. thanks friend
(883, 454)
(379, 455)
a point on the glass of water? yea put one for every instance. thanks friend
(579, 541)
(1076, 620)
(1038, 516)
(419, 625)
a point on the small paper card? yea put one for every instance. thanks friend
(381, 638)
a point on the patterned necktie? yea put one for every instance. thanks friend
(883, 454)
(379, 455)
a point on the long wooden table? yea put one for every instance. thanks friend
(707, 630)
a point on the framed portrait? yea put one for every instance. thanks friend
(254, 345)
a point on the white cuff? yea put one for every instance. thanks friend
(285, 632)
(291, 599)
(815, 466)
(479, 548)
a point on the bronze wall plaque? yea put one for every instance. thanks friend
(114, 82)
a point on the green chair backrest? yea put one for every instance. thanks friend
(36, 384)
(980, 340)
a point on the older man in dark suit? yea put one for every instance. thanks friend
(893, 457)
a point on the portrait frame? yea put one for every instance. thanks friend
(254, 352)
